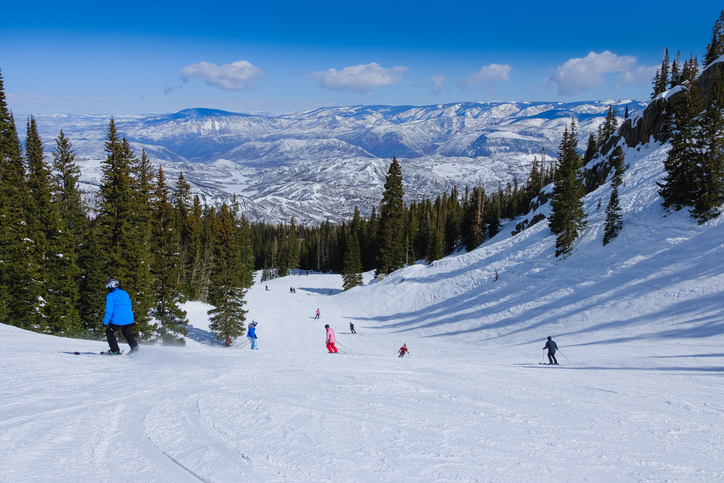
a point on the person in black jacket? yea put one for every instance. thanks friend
(351, 328)
(552, 348)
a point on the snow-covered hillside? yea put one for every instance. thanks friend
(639, 394)
(300, 164)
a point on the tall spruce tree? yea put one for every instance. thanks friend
(709, 192)
(352, 267)
(391, 236)
(18, 300)
(293, 244)
(567, 217)
(226, 292)
(684, 158)
(715, 49)
(92, 294)
(614, 220)
(165, 268)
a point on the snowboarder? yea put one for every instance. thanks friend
(251, 335)
(403, 350)
(317, 316)
(331, 339)
(119, 315)
(351, 328)
(552, 348)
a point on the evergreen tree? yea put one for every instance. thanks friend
(41, 217)
(677, 188)
(226, 292)
(63, 309)
(18, 300)
(710, 175)
(391, 237)
(689, 71)
(293, 244)
(567, 217)
(614, 220)
(590, 149)
(715, 49)
(92, 292)
(352, 268)
(166, 249)
(676, 71)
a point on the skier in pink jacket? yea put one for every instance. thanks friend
(331, 339)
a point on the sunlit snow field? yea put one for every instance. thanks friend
(639, 394)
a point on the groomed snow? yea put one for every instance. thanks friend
(638, 395)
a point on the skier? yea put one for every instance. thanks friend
(331, 339)
(119, 315)
(317, 316)
(251, 335)
(351, 328)
(403, 350)
(552, 348)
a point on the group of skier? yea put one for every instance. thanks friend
(119, 316)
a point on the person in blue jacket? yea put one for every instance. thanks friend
(119, 315)
(251, 334)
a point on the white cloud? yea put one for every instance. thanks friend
(489, 73)
(578, 75)
(436, 84)
(236, 76)
(357, 78)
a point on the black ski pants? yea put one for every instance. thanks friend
(126, 330)
(552, 358)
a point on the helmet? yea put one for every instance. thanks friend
(326, 326)
(549, 337)
(111, 283)
(254, 322)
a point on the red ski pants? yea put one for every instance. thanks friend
(331, 347)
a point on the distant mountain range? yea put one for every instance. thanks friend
(317, 165)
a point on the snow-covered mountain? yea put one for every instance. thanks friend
(319, 164)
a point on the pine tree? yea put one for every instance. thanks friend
(614, 220)
(18, 302)
(166, 250)
(677, 188)
(567, 217)
(352, 268)
(676, 71)
(226, 292)
(391, 237)
(92, 293)
(710, 175)
(63, 310)
(715, 49)
(590, 149)
(293, 244)
(41, 217)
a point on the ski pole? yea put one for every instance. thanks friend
(338, 342)
(564, 356)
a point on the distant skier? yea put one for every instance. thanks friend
(552, 348)
(331, 339)
(317, 316)
(351, 328)
(403, 350)
(251, 335)
(119, 315)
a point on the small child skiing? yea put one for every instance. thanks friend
(403, 350)
(331, 339)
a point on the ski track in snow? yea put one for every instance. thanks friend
(638, 396)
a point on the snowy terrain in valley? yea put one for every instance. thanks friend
(320, 164)
(639, 394)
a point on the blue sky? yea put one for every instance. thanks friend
(138, 57)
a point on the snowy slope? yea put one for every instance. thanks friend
(439, 146)
(639, 395)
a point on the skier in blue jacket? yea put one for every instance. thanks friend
(251, 334)
(119, 315)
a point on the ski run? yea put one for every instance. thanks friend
(638, 395)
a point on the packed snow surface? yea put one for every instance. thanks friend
(639, 394)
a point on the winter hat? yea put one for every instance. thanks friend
(326, 326)
(549, 337)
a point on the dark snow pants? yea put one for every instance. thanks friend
(126, 330)
(552, 358)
